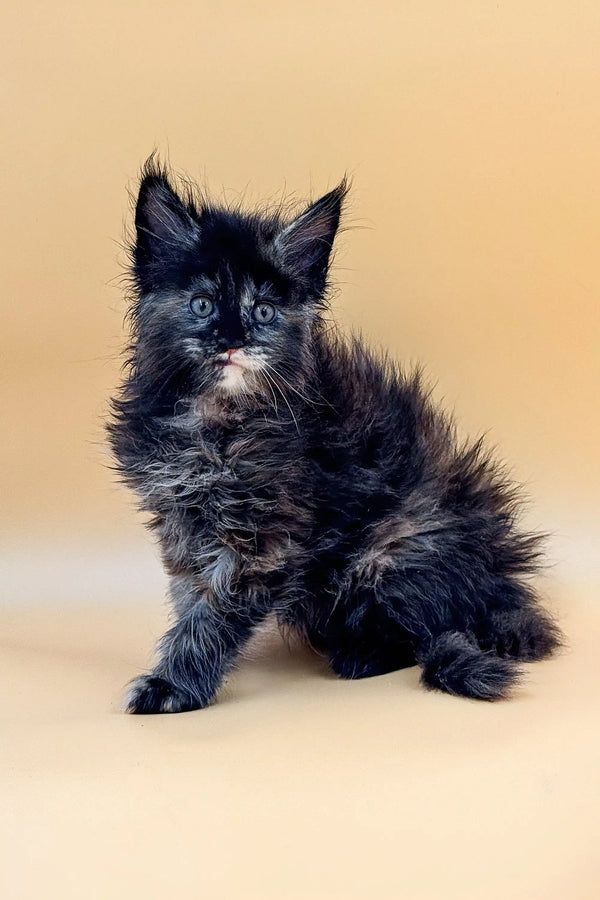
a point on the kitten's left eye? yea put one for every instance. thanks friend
(202, 307)
(264, 313)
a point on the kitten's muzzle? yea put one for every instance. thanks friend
(233, 356)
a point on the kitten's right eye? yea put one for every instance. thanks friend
(202, 307)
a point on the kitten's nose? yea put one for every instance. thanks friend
(229, 345)
(230, 352)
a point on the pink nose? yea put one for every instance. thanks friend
(231, 352)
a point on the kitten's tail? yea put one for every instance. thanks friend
(453, 664)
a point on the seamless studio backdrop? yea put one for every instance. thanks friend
(471, 132)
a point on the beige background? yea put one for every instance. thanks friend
(472, 133)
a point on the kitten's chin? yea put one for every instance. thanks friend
(232, 380)
(240, 378)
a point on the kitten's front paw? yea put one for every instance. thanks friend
(150, 694)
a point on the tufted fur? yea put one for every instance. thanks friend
(313, 480)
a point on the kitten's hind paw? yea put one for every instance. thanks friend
(348, 664)
(151, 694)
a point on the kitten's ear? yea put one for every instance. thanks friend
(163, 224)
(304, 246)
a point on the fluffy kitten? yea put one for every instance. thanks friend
(288, 470)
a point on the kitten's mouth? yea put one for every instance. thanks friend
(234, 365)
(232, 358)
(237, 368)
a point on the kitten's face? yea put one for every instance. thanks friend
(226, 300)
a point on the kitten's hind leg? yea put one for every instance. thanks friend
(451, 662)
(355, 661)
(360, 639)
(438, 614)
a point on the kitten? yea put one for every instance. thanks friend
(288, 470)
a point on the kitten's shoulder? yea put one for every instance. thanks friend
(351, 373)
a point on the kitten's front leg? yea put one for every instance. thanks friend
(194, 655)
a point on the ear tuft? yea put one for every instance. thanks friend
(304, 245)
(163, 222)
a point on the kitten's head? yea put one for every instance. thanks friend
(225, 300)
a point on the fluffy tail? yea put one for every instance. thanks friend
(528, 634)
(453, 664)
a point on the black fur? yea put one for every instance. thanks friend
(318, 483)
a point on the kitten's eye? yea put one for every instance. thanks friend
(202, 307)
(264, 313)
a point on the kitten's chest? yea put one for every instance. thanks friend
(223, 513)
(231, 505)
(221, 481)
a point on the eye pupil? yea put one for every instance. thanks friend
(201, 306)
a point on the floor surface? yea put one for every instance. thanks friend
(295, 785)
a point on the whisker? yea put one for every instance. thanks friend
(273, 392)
(314, 403)
(287, 384)
(272, 380)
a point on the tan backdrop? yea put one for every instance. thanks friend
(471, 131)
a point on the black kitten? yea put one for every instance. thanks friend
(293, 472)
